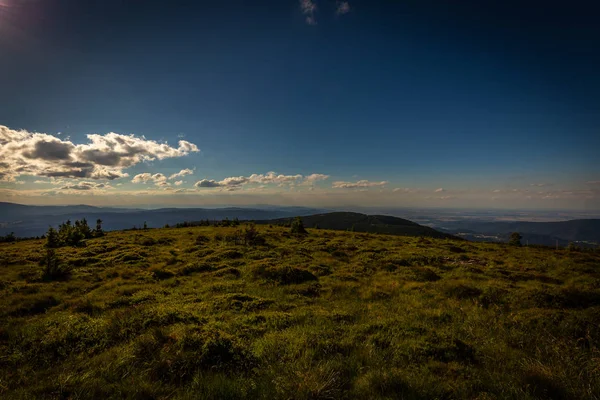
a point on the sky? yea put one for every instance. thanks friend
(492, 104)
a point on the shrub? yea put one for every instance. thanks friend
(8, 238)
(297, 227)
(53, 269)
(515, 239)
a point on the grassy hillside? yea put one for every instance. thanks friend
(364, 223)
(187, 313)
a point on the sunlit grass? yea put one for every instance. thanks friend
(186, 313)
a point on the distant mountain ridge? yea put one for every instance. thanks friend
(365, 223)
(546, 233)
(25, 220)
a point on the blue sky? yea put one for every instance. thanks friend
(388, 102)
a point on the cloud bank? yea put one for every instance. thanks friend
(103, 157)
(270, 178)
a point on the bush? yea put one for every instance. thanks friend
(53, 269)
(8, 238)
(515, 239)
(297, 227)
(248, 236)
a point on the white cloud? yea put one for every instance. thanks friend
(359, 184)
(178, 183)
(158, 179)
(234, 181)
(181, 173)
(206, 183)
(273, 177)
(262, 179)
(314, 178)
(593, 182)
(439, 190)
(85, 186)
(103, 157)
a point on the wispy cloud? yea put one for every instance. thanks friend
(86, 186)
(439, 190)
(103, 157)
(342, 7)
(309, 8)
(158, 179)
(181, 173)
(357, 185)
(540, 184)
(314, 178)
(406, 190)
(270, 178)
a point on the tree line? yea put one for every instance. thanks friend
(75, 234)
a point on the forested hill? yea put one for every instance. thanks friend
(363, 223)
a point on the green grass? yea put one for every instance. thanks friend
(187, 314)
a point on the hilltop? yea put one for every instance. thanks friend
(234, 313)
(364, 223)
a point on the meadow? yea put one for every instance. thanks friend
(201, 313)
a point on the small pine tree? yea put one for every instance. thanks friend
(53, 269)
(145, 225)
(297, 227)
(98, 231)
(52, 239)
(84, 228)
(515, 239)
